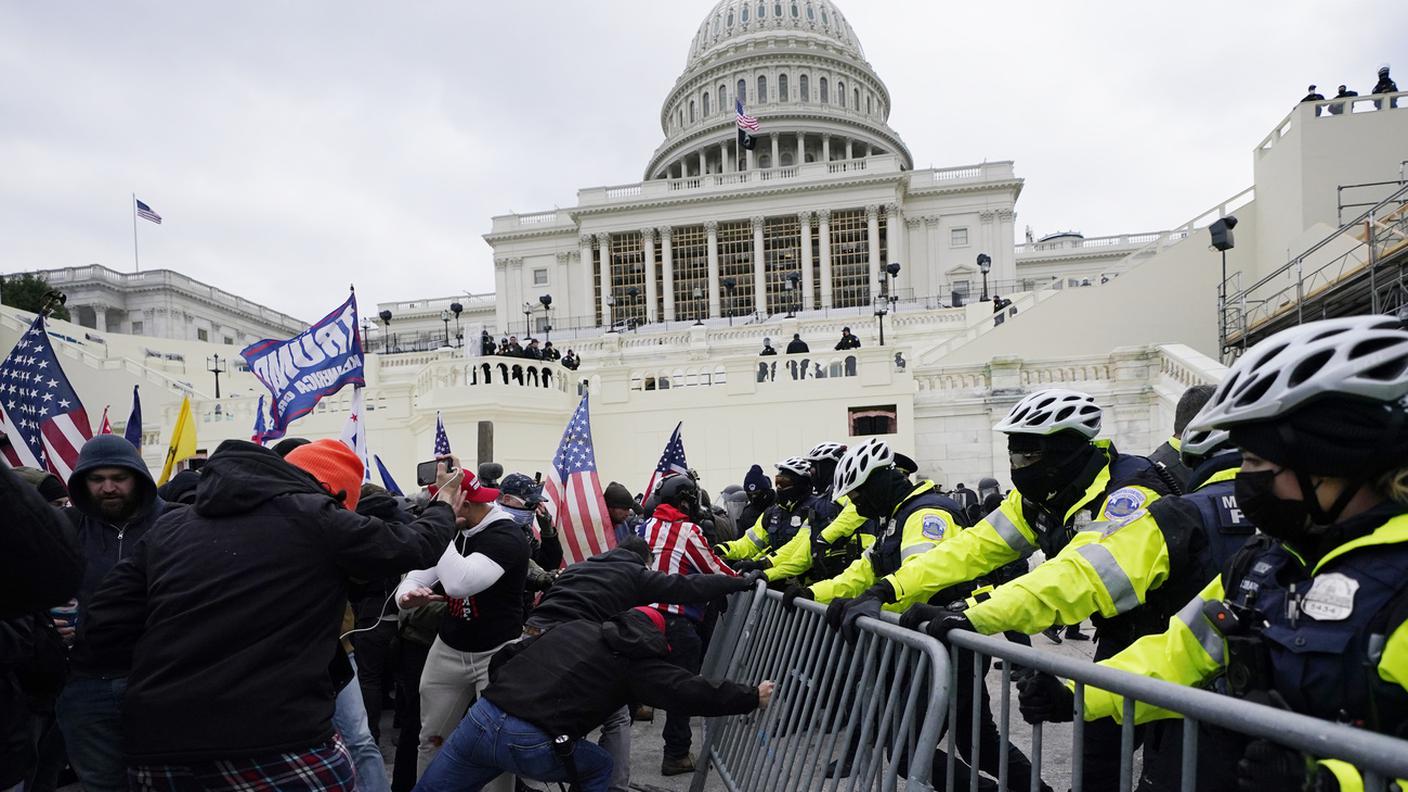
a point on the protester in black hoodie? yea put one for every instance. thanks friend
(229, 610)
(563, 684)
(114, 503)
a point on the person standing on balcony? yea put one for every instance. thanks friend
(570, 361)
(1313, 95)
(486, 343)
(1385, 83)
(768, 347)
(1312, 613)
(1344, 93)
(848, 341)
(797, 346)
(549, 353)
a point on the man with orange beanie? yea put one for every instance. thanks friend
(229, 610)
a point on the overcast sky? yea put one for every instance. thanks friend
(294, 147)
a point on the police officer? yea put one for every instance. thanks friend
(1319, 601)
(1086, 506)
(913, 519)
(832, 537)
(779, 522)
(1169, 456)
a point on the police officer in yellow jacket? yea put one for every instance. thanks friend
(779, 522)
(833, 537)
(1087, 507)
(1314, 614)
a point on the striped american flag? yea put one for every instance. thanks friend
(442, 440)
(145, 212)
(575, 490)
(671, 460)
(745, 121)
(680, 549)
(40, 413)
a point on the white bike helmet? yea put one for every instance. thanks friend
(859, 462)
(1200, 443)
(797, 466)
(1357, 356)
(1049, 411)
(826, 451)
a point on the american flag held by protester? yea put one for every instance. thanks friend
(574, 488)
(40, 412)
(671, 460)
(442, 441)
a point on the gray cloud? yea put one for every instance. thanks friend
(296, 147)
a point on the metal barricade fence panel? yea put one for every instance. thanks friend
(862, 717)
(1378, 757)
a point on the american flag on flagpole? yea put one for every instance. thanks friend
(573, 487)
(442, 441)
(745, 121)
(40, 412)
(671, 460)
(354, 432)
(145, 212)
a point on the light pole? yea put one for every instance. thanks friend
(698, 315)
(217, 366)
(388, 339)
(457, 309)
(984, 266)
(882, 307)
(633, 293)
(610, 309)
(1222, 240)
(367, 328)
(445, 317)
(546, 300)
(790, 286)
(729, 285)
(893, 270)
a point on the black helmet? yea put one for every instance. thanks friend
(680, 492)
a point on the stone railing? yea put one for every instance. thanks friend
(942, 177)
(1064, 244)
(1168, 369)
(506, 378)
(766, 371)
(176, 281)
(1329, 108)
(722, 182)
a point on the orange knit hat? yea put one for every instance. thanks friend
(334, 465)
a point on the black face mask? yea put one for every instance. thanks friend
(1277, 517)
(1046, 477)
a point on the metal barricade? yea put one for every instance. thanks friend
(859, 717)
(1378, 757)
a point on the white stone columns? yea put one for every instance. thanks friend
(501, 287)
(894, 232)
(723, 157)
(1005, 258)
(826, 150)
(872, 238)
(647, 249)
(667, 264)
(823, 217)
(806, 225)
(760, 284)
(603, 241)
(701, 162)
(586, 303)
(801, 157)
(936, 269)
(848, 148)
(775, 161)
(712, 226)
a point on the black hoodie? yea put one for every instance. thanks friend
(570, 678)
(229, 609)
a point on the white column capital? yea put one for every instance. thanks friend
(892, 208)
(823, 215)
(647, 234)
(805, 218)
(585, 240)
(665, 233)
(711, 226)
(872, 212)
(757, 221)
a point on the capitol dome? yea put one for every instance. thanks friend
(800, 70)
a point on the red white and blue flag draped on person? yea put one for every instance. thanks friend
(671, 460)
(680, 549)
(40, 413)
(575, 490)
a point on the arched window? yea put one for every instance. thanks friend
(705, 106)
(777, 10)
(765, 161)
(786, 159)
(811, 13)
(824, 96)
(781, 87)
(743, 14)
(795, 12)
(804, 88)
(681, 116)
(867, 104)
(762, 88)
(723, 98)
(730, 18)
(857, 97)
(717, 21)
(691, 111)
(824, 20)
(743, 91)
(762, 10)
(841, 92)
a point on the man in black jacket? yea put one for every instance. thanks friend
(607, 584)
(560, 686)
(115, 504)
(229, 611)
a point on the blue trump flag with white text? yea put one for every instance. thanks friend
(311, 365)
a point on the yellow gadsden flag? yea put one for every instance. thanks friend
(183, 441)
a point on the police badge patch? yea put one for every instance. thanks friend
(934, 527)
(1331, 597)
(1124, 503)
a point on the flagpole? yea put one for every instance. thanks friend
(136, 261)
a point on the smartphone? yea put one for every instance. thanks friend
(425, 471)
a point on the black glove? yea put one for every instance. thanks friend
(867, 604)
(1043, 699)
(834, 611)
(750, 578)
(918, 614)
(751, 566)
(794, 592)
(1266, 765)
(545, 527)
(820, 546)
(946, 621)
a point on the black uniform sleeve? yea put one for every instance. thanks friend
(116, 613)
(657, 683)
(369, 547)
(661, 587)
(40, 564)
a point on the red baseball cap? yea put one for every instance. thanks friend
(474, 492)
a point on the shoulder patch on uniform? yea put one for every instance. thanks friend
(1331, 597)
(1124, 502)
(934, 527)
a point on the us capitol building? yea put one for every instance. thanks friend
(667, 286)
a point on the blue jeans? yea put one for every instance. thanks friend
(90, 716)
(489, 741)
(349, 717)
